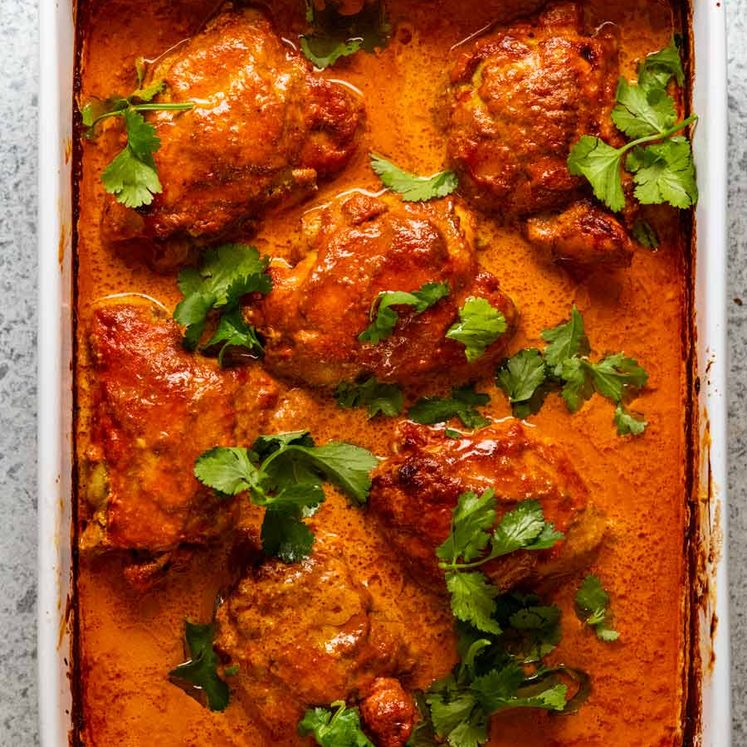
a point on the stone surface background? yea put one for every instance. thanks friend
(18, 207)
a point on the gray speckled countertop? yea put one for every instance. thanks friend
(18, 173)
(737, 50)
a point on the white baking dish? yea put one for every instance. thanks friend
(56, 350)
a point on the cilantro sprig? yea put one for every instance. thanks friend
(284, 474)
(502, 638)
(659, 158)
(564, 365)
(335, 35)
(475, 540)
(131, 176)
(337, 726)
(384, 317)
(379, 398)
(592, 608)
(226, 273)
(200, 672)
(462, 404)
(497, 673)
(480, 325)
(411, 187)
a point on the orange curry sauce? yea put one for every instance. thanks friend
(130, 639)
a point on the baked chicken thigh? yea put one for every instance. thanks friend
(310, 634)
(519, 98)
(361, 246)
(582, 236)
(264, 129)
(154, 409)
(415, 492)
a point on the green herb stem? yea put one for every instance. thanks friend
(141, 108)
(659, 135)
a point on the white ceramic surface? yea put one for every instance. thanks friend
(55, 360)
(55, 348)
(710, 143)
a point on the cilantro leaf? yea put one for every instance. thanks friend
(535, 630)
(627, 424)
(380, 399)
(228, 469)
(200, 671)
(592, 608)
(492, 675)
(473, 600)
(227, 273)
(471, 521)
(528, 376)
(459, 706)
(664, 172)
(234, 332)
(284, 535)
(577, 387)
(131, 176)
(600, 163)
(523, 528)
(455, 715)
(615, 375)
(663, 169)
(641, 112)
(411, 187)
(645, 235)
(384, 317)
(141, 137)
(284, 474)
(657, 69)
(566, 340)
(336, 35)
(462, 404)
(498, 690)
(266, 445)
(522, 375)
(345, 465)
(132, 181)
(338, 728)
(479, 326)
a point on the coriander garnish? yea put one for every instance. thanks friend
(411, 187)
(592, 608)
(284, 474)
(226, 273)
(384, 317)
(200, 671)
(132, 177)
(564, 366)
(659, 158)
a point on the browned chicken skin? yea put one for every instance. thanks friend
(388, 713)
(310, 634)
(360, 246)
(154, 409)
(519, 98)
(264, 129)
(582, 236)
(415, 492)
